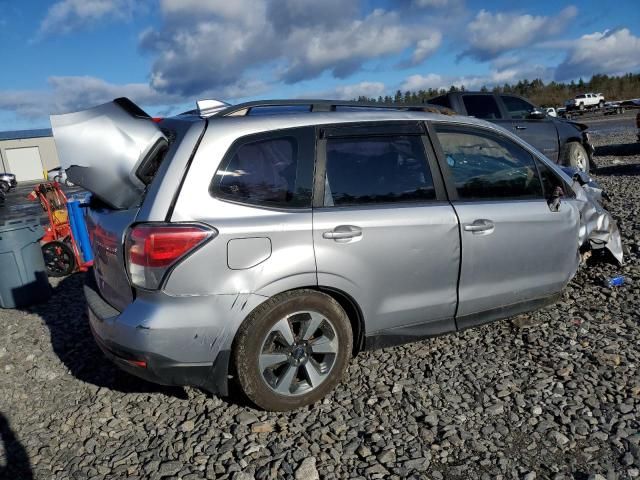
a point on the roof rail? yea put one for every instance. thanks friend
(243, 109)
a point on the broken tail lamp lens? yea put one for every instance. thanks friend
(152, 250)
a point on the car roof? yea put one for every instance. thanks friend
(246, 125)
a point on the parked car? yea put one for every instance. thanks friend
(273, 247)
(59, 175)
(7, 181)
(585, 101)
(638, 124)
(564, 142)
(551, 111)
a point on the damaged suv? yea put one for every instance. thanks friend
(268, 242)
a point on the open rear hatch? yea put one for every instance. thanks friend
(113, 151)
(109, 149)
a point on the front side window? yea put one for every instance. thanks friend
(486, 166)
(377, 169)
(270, 171)
(517, 107)
(482, 106)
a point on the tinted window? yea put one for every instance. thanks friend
(481, 106)
(443, 101)
(380, 169)
(517, 107)
(487, 166)
(272, 171)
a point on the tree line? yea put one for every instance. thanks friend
(550, 94)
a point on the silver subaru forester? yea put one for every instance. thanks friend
(268, 242)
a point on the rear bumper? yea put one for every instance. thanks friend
(167, 340)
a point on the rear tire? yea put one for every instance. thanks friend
(292, 350)
(4, 187)
(581, 107)
(58, 259)
(576, 156)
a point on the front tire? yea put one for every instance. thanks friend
(576, 156)
(292, 350)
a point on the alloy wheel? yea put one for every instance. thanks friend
(298, 353)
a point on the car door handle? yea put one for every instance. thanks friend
(480, 225)
(520, 127)
(343, 232)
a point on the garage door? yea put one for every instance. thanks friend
(25, 163)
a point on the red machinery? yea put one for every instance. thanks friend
(62, 256)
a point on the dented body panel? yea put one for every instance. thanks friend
(103, 148)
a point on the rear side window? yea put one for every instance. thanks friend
(482, 106)
(486, 166)
(517, 107)
(377, 169)
(271, 170)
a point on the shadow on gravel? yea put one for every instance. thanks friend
(17, 461)
(628, 169)
(72, 341)
(618, 150)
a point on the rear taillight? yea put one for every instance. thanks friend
(153, 249)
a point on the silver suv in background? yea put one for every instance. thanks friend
(271, 241)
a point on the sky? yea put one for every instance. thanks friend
(66, 55)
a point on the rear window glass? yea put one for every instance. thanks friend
(518, 108)
(481, 106)
(267, 172)
(380, 169)
(442, 101)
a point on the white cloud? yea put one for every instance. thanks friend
(490, 34)
(67, 94)
(67, 15)
(209, 45)
(475, 82)
(611, 52)
(423, 82)
(312, 51)
(347, 91)
(426, 47)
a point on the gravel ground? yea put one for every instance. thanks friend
(553, 394)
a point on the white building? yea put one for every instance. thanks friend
(28, 154)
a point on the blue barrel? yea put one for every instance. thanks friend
(79, 229)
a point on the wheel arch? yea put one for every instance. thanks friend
(346, 301)
(353, 311)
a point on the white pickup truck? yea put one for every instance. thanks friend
(585, 101)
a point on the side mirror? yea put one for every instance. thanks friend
(536, 115)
